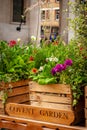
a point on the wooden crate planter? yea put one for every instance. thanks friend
(19, 93)
(55, 96)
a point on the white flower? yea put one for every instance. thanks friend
(18, 40)
(33, 38)
(52, 59)
(55, 59)
(41, 68)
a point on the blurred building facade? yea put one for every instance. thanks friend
(50, 15)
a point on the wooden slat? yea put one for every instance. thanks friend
(17, 83)
(34, 127)
(20, 126)
(51, 105)
(12, 126)
(40, 123)
(19, 98)
(53, 88)
(50, 98)
(48, 129)
(18, 91)
(61, 116)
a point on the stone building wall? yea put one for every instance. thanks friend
(8, 28)
(34, 22)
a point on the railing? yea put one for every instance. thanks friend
(14, 123)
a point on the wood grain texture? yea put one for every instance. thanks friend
(60, 116)
(53, 88)
(33, 124)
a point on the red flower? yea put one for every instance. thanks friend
(34, 70)
(81, 48)
(31, 58)
(12, 43)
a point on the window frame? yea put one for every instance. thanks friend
(47, 15)
(11, 14)
(43, 19)
(57, 14)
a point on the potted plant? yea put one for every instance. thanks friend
(59, 74)
(14, 72)
(65, 64)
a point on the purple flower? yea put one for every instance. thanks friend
(53, 71)
(59, 67)
(68, 62)
(64, 66)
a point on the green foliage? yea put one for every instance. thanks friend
(79, 22)
(50, 55)
(23, 62)
(14, 62)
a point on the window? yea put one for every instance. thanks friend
(18, 7)
(47, 14)
(43, 15)
(57, 14)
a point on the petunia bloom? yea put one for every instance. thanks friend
(53, 71)
(64, 66)
(68, 62)
(59, 67)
